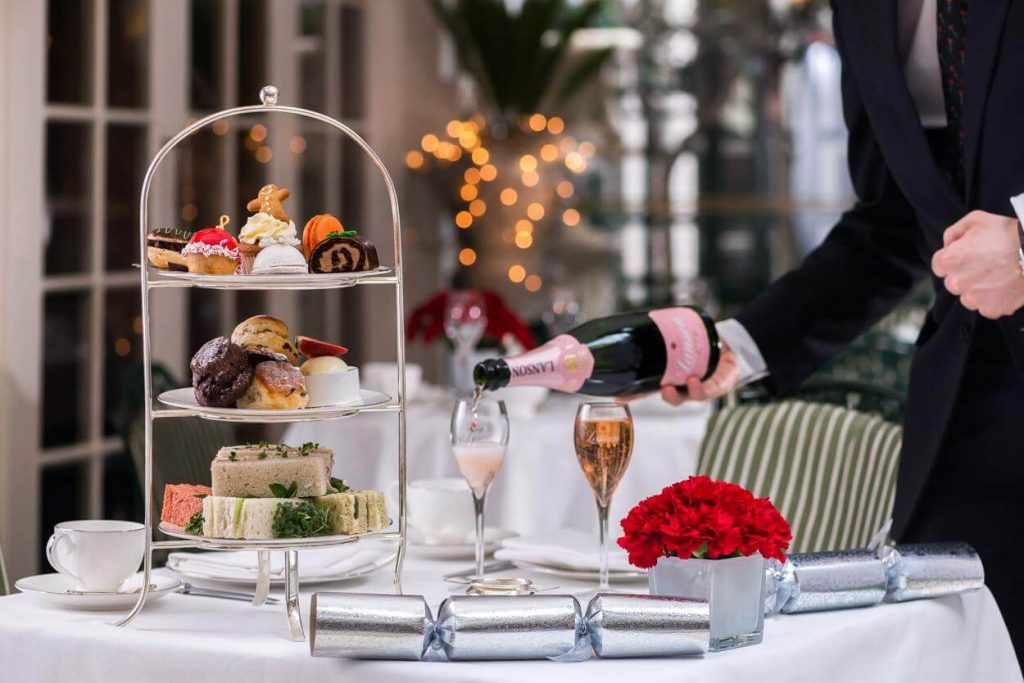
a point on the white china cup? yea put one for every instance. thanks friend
(97, 554)
(383, 377)
(440, 511)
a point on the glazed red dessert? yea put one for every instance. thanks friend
(209, 240)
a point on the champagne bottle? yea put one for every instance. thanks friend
(621, 355)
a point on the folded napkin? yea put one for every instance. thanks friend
(313, 564)
(654, 405)
(491, 535)
(563, 549)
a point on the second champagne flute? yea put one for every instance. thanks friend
(479, 436)
(603, 437)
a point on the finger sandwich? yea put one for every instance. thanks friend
(355, 512)
(251, 469)
(257, 519)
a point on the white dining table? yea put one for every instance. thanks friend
(204, 640)
(540, 463)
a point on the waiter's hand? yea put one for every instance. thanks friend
(980, 263)
(724, 380)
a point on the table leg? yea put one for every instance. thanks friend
(291, 581)
(262, 578)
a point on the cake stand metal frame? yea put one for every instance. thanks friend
(268, 99)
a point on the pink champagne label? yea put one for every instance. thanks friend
(687, 347)
(562, 364)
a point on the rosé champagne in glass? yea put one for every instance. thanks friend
(479, 434)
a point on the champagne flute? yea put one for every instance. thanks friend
(603, 437)
(465, 320)
(479, 436)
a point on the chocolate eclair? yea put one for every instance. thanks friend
(164, 245)
(343, 252)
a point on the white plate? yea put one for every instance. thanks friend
(53, 589)
(294, 281)
(186, 398)
(212, 576)
(269, 544)
(584, 574)
(493, 537)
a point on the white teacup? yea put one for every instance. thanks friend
(383, 377)
(97, 554)
(441, 511)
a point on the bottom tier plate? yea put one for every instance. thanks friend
(176, 531)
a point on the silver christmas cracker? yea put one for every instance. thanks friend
(509, 627)
(647, 626)
(929, 570)
(369, 626)
(812, 582)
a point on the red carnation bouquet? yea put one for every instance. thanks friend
(704, 519)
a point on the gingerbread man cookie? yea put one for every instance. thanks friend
(269, 201)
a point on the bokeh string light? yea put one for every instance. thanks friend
(547, 152)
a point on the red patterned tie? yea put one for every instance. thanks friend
(952, 38)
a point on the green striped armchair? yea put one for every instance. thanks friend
(831, 471)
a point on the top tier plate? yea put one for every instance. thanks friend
(175, 278)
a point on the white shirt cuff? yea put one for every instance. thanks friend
(1018, 206)
(744, 348)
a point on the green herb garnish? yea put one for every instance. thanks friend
(232, 457)
(300, 520)
(262, 455)
(339, 485)
(195, 525)
(308, 447)
(282, 491)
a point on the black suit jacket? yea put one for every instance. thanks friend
(884, 244)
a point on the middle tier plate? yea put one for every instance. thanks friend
(270, 543)
(185, 398)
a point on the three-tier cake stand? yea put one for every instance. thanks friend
(390, 277)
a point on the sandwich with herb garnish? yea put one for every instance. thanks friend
(265, 491)
(249, 469)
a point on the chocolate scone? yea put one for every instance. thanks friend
(221, 373)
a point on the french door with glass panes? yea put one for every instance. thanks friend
(91, 89)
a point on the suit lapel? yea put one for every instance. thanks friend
(985, 21)
(868, 29)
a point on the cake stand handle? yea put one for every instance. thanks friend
(291, 587)
(262, 578)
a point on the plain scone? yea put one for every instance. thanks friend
(276, 385)
(263, 332)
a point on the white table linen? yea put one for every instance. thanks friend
(540, 486)
(204, 640)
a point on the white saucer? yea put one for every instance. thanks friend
(614, 576)
(52, 589)
(421, 547)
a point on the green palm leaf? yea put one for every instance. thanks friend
(515, 58)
